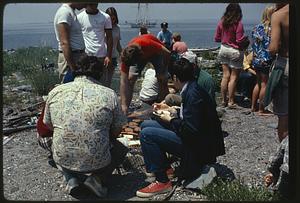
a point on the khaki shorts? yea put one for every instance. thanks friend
(63, 66)
(231, 56)
(281, 93)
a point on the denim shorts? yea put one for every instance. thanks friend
(231, 56)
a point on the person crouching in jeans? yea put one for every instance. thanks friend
(195, 135)
(86, 119)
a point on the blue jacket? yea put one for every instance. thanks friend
(200, 130)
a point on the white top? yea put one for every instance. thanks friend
(116, 34)
(65, 14)
(181, 106)
(93, 29)
(150, 86)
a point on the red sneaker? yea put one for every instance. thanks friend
(154, 188)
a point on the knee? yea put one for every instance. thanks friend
(226, 76)
(146, 123)
(144, 135)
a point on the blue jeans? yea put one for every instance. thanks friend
(155, 142)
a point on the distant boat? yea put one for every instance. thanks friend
(142, 18)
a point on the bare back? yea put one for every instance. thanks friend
(280, 32)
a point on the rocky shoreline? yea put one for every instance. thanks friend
(250, 140)
(27, 176)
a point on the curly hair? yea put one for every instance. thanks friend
(266, 17)
(131, 55)
(89, 66)
(233, 14)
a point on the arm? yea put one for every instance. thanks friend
(119, 47)
(275, 35)
(124, 85)
(109, 42)
(218, 33)
(64, 37)
(239, 35)
(119, 120)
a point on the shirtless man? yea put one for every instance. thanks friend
(280, 45)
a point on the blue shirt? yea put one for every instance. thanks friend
(165, 37)
(261, 41)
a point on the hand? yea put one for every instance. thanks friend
(268, 179)
(107, 61)
(159, 106)
(166, 116)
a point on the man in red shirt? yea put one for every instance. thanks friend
(139, 51)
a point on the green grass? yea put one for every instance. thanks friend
(236, 190)
(31, 62)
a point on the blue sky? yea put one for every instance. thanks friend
(44, 12)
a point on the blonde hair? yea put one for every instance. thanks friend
(266, 17)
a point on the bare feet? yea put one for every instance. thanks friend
(265, 113)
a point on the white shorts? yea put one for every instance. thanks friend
(231, 56)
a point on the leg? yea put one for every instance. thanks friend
(263, 84)
(255, 93)
(151, 123)
(163, 87)
(98, 180)
(232, 85)
(111, 71)
(118, 153)
(283, 127)
(224, 83)
(155, 142)
(162, 76)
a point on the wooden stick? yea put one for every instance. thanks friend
(7, 131)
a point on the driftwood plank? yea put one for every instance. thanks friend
(7, 131)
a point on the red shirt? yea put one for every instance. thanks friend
(150, 46)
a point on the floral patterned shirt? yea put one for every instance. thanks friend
(82, 113)
(261, 41)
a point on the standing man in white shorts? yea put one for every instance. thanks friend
(68, 34)
(96, 28)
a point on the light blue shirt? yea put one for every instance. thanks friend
(165, 37)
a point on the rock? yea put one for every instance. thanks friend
(220, 111)
(7, 111)
(25, 88)
(207, 175)
(19, 76)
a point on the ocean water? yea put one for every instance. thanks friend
(195, 34)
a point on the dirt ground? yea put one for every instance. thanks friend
(27, 176)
